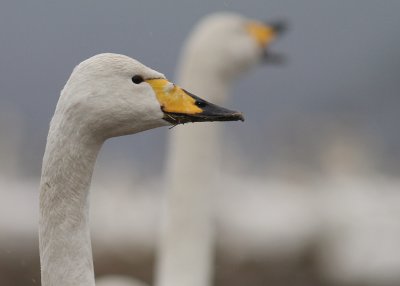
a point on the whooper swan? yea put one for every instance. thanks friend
(107, 95)
(221, 47)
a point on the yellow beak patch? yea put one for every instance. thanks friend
(172, 98)
(263, 34)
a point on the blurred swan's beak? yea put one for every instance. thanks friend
(279, 27)
(180, 106)
(264, 35)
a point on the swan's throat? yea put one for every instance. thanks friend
(65, 248)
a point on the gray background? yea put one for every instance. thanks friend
(343, 71)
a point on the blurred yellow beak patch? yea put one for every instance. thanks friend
(262, 34)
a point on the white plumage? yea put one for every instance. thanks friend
(219, 49)
(107, 95)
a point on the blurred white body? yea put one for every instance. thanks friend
(218, 50)
(116, 280)
(360, 236)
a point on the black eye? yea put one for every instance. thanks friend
(137, 79)
(200, 104)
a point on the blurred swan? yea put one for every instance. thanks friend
(107, 95)
(359, 239)
(221, 47)
(117, 280)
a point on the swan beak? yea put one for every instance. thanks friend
(180, 106)
(264, 35)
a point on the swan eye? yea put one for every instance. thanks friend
(200, 103)
(137, 79)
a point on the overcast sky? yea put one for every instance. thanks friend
(343, 66)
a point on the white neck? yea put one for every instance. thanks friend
(65, 247)
(204, 80)
(186, 252)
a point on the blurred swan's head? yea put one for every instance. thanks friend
(228, 43)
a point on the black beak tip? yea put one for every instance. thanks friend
(230, 115)
(240, 116)
(227, 116)
(278, 26)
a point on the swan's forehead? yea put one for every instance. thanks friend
(229, 23)
(233, 26)
(114, 64)
(226, 20)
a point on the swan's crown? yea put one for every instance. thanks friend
(107, 64)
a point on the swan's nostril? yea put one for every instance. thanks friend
(200, 104)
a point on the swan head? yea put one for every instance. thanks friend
(229, 43)
(112, 95)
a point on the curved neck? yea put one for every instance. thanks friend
(65, 248)
(204, 81)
